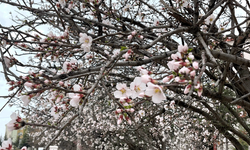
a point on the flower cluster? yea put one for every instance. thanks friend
(122, 113)
(16, 122)
(184, 69)
(70, 65)
(133, 34)
(127, 54)
(9, 61)
(139, 89)
(76, 97)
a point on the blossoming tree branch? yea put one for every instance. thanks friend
(129, 74)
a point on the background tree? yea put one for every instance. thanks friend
(130, 74)
(25, 141)
(16, 143)
(1, 140)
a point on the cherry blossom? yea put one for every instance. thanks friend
(28, 84)
(118, 111)
(75, 97)
(156, 22)
(130, 37)
(168, 78)
(71, 99)
(119, 121)
(177, 56)
(54, 112)
(156, 92)
(6, 145)
(221, 28)
(146, 78)
(126, 8)
(86, 42)
(7, 61)
(209, 19)
(115, 52)
(192, 73)
(133, 33)
(141, 113)
(126, 56)
(183, 49)
(184, 70)
(16, 122)
(190, 56)
(173, 65)
(199, 88)
(25, 99)
(195, 65)
(187, 88)
(122, 91)
(137, 87)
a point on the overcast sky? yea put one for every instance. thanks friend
(5, 20)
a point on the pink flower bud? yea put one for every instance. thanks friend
(129, 122)
(28, 84)
(187, 89)
(140, 36)
(61, 83)
(46, 81)
(191, 56)
(168, 78)
(182, 49)
(145, 78)
(142, 94)
(118, 111)
(195, 65)
(134, 33)
(131, 110)
(119, 121)
(192, 73)
(177, 79)
(130, 37)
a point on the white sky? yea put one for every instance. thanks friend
(5, 20)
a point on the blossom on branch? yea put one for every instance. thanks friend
(6, 145)
(16, 122)
(156, 92)
(9, 62)
(209, 19)
(137, 87)
(183, 49)
(25, 99)
(173, 65)
(122, 91)
(86, 42)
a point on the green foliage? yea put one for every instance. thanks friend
(5, 136)
(1, 140)
(123, 48)
(16, 143)
(25, 140)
